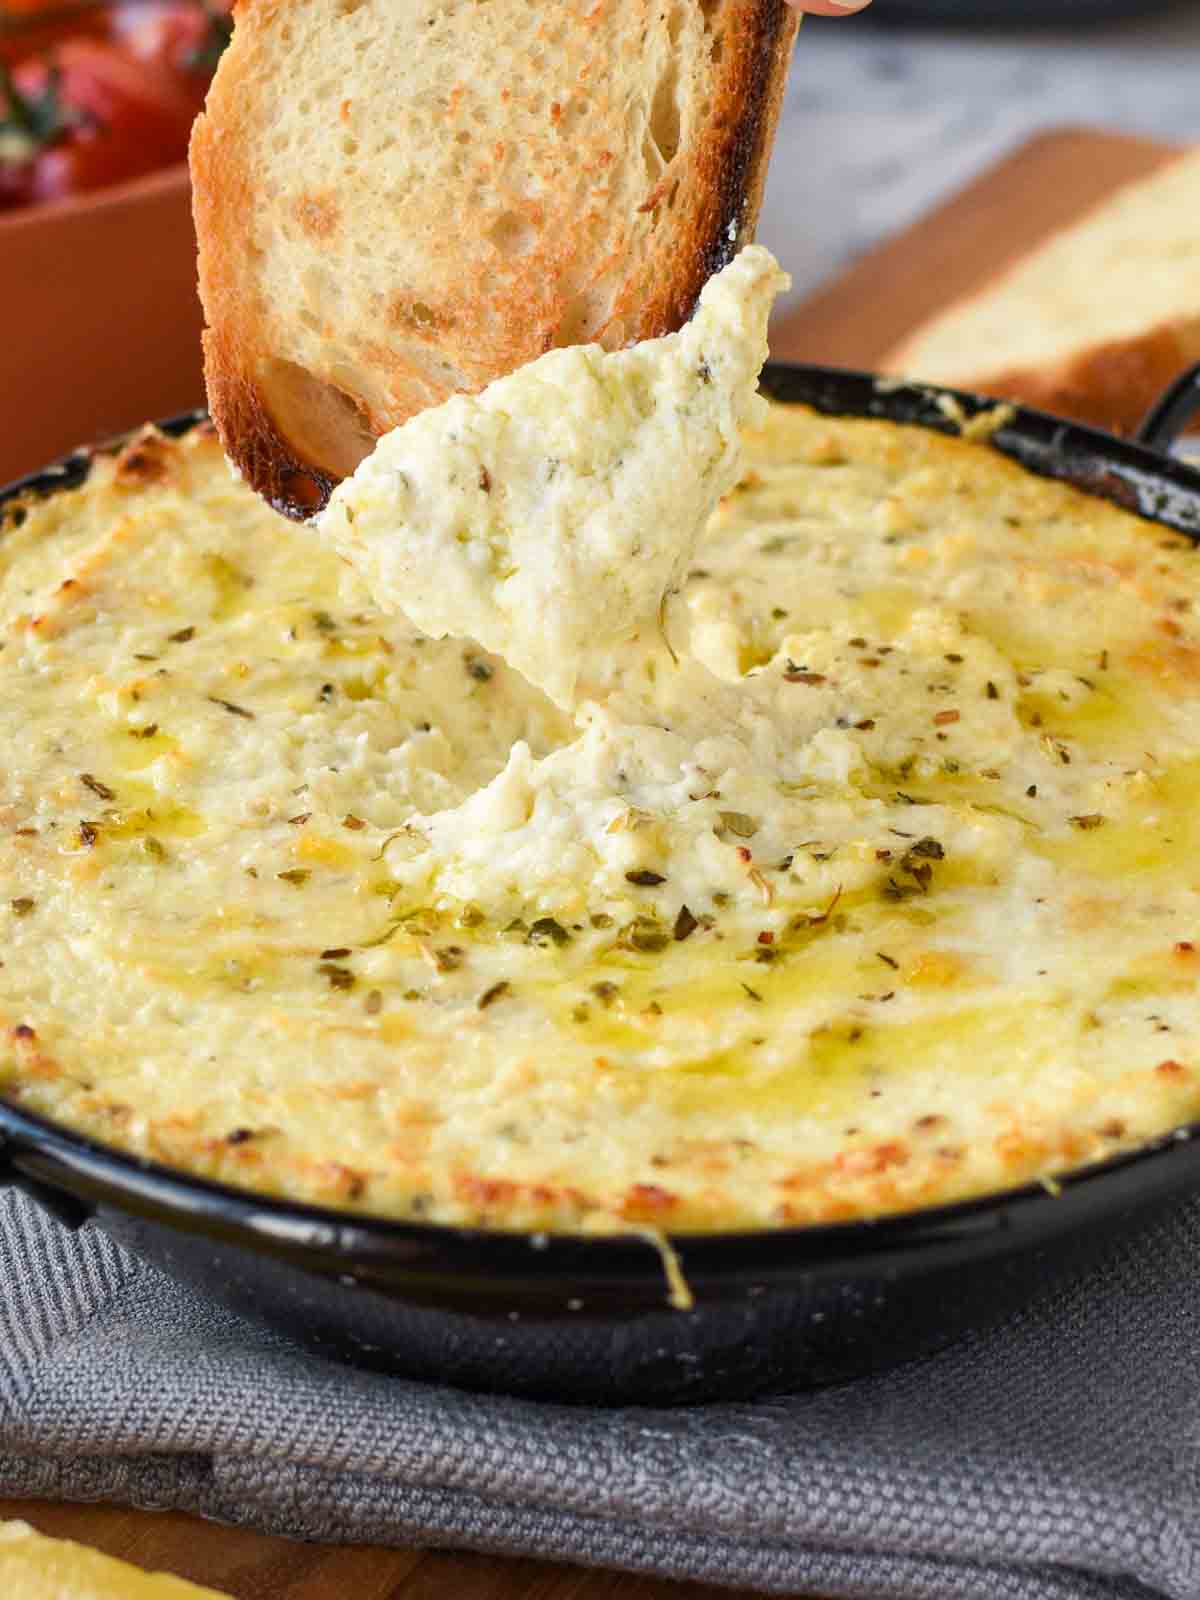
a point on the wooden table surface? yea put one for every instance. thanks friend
(852, 322)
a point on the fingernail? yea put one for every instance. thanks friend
(851, 5)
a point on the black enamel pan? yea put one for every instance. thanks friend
(589, 1319)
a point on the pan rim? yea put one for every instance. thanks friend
(50, 1156)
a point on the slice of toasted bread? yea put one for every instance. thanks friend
(397, 200)
(1094, 323)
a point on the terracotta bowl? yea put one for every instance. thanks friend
(100, 323)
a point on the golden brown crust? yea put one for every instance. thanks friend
(259, 401)
(731, 164)
(1111, 385)
(274, 470)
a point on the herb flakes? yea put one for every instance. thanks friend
(498, 991)
(645, 935)
(228, 705)
(546, 931)
(685, 925)
(931, 849)
(97, 788)
(644, 878)
(917, 864)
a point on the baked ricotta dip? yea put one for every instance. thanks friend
(863, 878)
(548, 516)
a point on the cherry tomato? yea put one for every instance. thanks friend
(99, 110)
(30, 8)
(16, 184)
(32, 28)
(178, 41)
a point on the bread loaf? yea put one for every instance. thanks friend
(1095, 323)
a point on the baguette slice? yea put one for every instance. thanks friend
(398, 200)
(1093, 324)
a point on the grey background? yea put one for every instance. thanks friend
(881, 122)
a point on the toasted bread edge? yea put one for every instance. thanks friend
(732, 165)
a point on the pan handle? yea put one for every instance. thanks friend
(1172, 412)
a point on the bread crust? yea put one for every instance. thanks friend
(285, 480)
(733, 163)
(652, 294)
(1111, 382)
(1110, 385)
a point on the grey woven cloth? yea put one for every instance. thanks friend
(1056, 1459)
